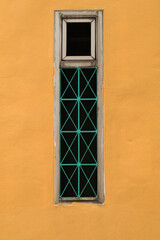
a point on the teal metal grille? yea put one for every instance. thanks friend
(78, 133)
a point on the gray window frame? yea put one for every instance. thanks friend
(59, 62)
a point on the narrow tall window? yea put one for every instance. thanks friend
(78, 106)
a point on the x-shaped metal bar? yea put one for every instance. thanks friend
(69, 114)
(69, 181)
(69, 83)
(88, 81)
(88, 181)
(88, 113)
(69, 147)
(88, 147)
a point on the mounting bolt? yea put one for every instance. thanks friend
(78, 164)
(78, 131)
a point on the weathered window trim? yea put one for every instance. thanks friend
(64, 39)
(59, 62)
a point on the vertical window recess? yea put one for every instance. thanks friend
(78, 109)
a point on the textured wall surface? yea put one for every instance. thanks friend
(131, 96)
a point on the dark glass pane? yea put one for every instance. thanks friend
(69, 83)
(88, 181)
(88, 115)
(69, 115)
(79, 39)
(88, 82)
(88, 148)
(69, 181)
(69, 148)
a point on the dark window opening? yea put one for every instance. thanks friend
(78, 133)
(78, 39)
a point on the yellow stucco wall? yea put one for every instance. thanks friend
(131, 96)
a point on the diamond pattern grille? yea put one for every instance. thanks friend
(78, 133)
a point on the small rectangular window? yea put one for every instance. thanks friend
(79, 174)
(78, 39)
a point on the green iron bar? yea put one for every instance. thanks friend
(81, 131)
(81, 164)
(77, 85)
(88, 82)
(88, 181)
(69, 148)
(75, 99)
(69, 83)
(88, 114)
(88, 148)
(78, 132)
